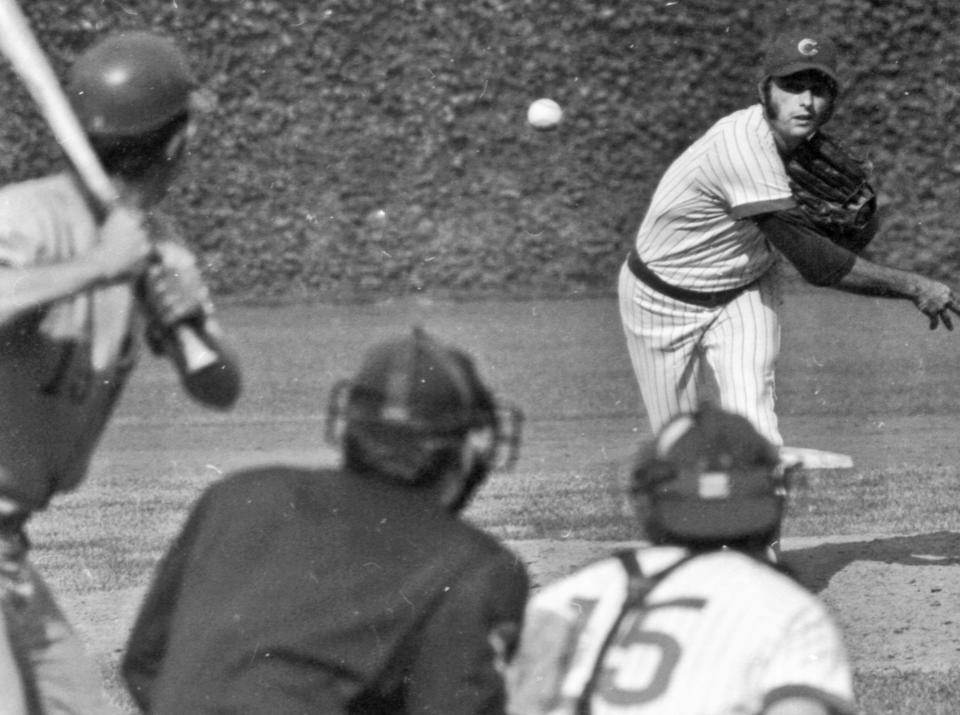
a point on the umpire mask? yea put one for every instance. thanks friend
(416, 408)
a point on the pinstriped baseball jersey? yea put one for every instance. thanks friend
(697, 235)
(723, 634)
(693, 234)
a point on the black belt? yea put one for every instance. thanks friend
(705, 300)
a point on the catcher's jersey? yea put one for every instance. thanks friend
(61, 368)
(694, 233)
(723, 634)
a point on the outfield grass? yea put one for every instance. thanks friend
(857, 375)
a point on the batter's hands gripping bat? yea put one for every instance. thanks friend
(208, 373)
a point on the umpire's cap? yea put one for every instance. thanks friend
(411, 393)
(709, 476)
(798, 50)
(419, 383)
(130, 84)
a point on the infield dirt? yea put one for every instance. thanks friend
(852, 379)
(896, 598)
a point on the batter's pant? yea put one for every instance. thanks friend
(676, 347)
(44, 669)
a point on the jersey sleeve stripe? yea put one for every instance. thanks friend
(751, 151)
(762, 207)
(834, 703)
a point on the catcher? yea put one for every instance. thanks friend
(72, 285)
(698, 622)
(700, 289)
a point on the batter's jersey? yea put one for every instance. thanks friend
(293, 591)
(722, 634)
(62, 367)
(696, 233)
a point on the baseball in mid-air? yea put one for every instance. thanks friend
(544, 113)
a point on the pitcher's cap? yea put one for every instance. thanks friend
(800, 50)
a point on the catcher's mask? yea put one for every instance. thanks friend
(709, 477)
(416, 407)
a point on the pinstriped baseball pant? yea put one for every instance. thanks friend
(680, 351)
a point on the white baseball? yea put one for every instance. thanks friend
(544, 113)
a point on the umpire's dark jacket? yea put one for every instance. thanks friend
(295, 591)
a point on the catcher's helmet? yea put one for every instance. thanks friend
(710, 477)
(129, 85)
(414, 400)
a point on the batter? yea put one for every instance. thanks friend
(70, 331)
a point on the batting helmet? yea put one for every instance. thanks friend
(414, 400)
(710, 477)
(130, 84)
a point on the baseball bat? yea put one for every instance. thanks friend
(29, 61)
(207, 372)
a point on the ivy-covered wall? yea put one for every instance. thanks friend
(370, 147)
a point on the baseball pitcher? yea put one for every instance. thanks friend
(700, 289)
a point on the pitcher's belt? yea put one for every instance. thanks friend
(705, 300)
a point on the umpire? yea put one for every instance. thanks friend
(349, 590)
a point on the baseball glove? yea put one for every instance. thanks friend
(833, 191)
